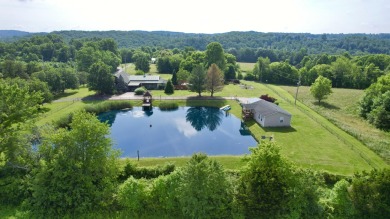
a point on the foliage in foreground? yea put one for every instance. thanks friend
(77, 170)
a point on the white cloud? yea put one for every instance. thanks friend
(184, 127)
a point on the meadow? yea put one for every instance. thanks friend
(342, 109)
(312, 141)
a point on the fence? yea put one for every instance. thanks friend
(329, 129)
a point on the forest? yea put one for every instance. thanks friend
(75, 172)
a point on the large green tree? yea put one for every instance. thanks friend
(321, 88)
(18, 106)
(214, 79)
(204, 191)
(77, 171)
(141, 61)
(100, 78)
(197, 80)
(215, 54)
(268, 187)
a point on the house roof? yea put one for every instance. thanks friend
(123, 75)
(265, 108)
(144, 78)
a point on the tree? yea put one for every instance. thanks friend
(182, 76)
(174, 77)
(214, 79)
(141, 60)
(267, 186)
(204, 191)
(169, 89)
(215, 54)
(371, 194)
(77, 170)
(197, 80)
(100, 78)
(321, 88)
(375, 104)
(18, 106)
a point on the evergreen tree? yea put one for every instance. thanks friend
(174, 77)
(169, 88)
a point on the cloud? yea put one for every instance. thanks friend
(185, 128)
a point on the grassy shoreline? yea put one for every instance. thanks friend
(311, 142)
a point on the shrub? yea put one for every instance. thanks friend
(204, 190)
(268, 186)
(166, 106)
(249, 77)
(140, 91)
(268, 98)
(131, 170)
(165, 194)
(139, 72)
(133, 195)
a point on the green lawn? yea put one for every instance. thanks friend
(341, 108)
(246, 67)
(312, 141)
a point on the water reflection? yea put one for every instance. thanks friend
(201, 117)
(108, 117)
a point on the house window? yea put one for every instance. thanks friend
(281, 119)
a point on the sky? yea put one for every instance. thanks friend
(198, 16)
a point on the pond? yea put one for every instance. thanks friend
(180, 132)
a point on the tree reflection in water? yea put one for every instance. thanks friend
(201, 117)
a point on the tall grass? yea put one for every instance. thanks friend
(65, 120)
(107, 106)
(166, 106)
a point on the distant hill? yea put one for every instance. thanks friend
(12, 33)
(313, 43)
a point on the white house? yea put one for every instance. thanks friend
(267, 114)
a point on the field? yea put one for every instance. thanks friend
(342, 109)
(246, 67)
(312, 141)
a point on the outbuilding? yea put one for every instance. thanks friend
(265, 113)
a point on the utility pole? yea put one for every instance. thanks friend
(296, 93)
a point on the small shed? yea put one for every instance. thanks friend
(147, 100)
(267, 114)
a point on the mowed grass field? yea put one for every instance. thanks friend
(342, 109)
(312, 141)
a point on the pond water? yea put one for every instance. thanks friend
(181, 132)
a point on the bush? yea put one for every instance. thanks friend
(64, 121)
(140, 91)
(240, 76)
(249, 77)
(167, 106)
(139, 72)
(268, 98)
(131, 170)
(204, 190)
(164, 194)
(133, 195)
